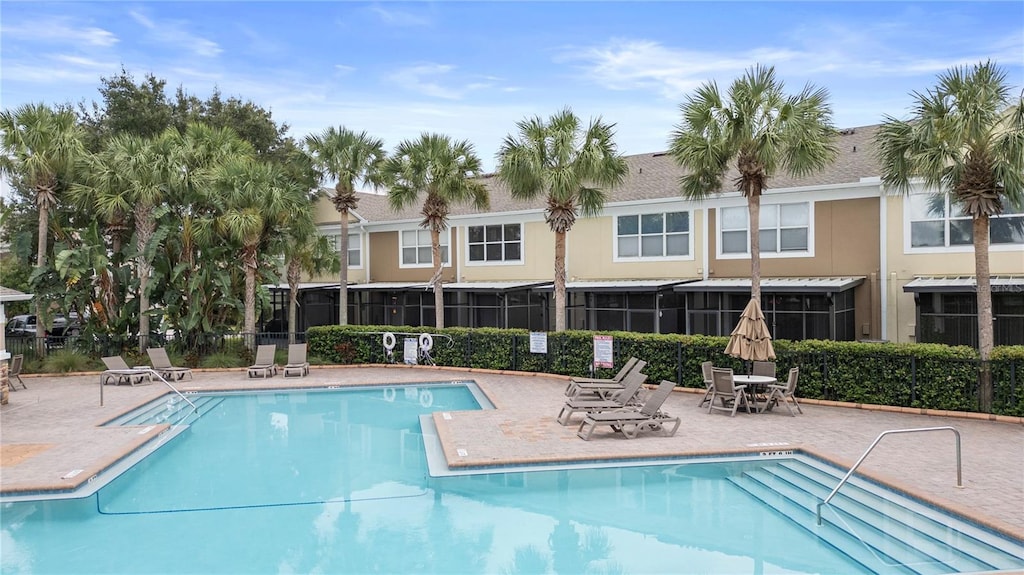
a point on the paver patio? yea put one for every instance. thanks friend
(53, 428)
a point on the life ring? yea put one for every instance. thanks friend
(389, 341)
(389, 394)
(426, 398)
(426, 341)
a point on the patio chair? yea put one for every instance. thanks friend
(119, 372)
(297, 364)
(725, 388)
(765, 368)
(14, 371)
(162, 365)
(631, 421)
(785, 392)
(628, 395)
(264, 365)
(709, 383)
(626, 368)
(603, 388)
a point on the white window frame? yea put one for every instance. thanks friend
(947, 218)
(616, 257)
(446, 237)
(502, 262)
(777, 254)
(354, 238)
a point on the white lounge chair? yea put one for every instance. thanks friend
(14, 371)
(264, 365)
(119, 372)
(631, 421)
(162, 365)
(297, 364)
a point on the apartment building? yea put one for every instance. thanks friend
(841, 260)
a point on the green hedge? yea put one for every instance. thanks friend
(911, 375)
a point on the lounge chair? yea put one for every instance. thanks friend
(119, 372)
(726, 390)
(14, 371)
(602, 388)
(297, 364)
(709, 383)
(631, 421)
(626, 368)
(623, 398)
(162, 365)
(264, 365)
(785, 393)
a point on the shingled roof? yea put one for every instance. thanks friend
(656, 176)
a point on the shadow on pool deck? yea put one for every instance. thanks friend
(52, 429)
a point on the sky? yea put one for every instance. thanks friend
(472, 70)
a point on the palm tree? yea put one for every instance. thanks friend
(572, 166)
(257, 199)
(443, 170)
(965, 139)
(759, 128)
(305, 252)
(135, 175)
(349, 157)
(39, 146)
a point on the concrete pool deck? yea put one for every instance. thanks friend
(51, 439)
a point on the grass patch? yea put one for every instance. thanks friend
(222, 360)
(68, 361)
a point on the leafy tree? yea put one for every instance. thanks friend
(350, 158)
(250, 121)
(572, 166)
(305, 252)
(443, 171)
(965, 139)
(761, 130)
(128, 108)
(40, 145)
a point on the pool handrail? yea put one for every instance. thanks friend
(959, 476)
(153, 372)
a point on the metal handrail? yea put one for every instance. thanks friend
(152, 372)
(959, 479)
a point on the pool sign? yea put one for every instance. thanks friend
(603, 351)
(538, 342)
(411, 350)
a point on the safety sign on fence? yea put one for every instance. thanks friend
(603, 351)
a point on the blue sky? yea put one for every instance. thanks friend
(473, 69)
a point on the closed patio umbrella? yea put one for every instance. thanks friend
(750, 340)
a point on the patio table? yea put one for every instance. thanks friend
(756, 385)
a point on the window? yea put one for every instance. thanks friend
(785, 229)
(497, 243)
(354, 247)
(415, 248)
(935, 222)
(653, 235)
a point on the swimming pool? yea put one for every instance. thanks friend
(336, 481)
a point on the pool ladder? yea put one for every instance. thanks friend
(959, 478)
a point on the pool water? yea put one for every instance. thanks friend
(336, 481)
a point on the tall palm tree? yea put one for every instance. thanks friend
(965, 139)
(349, 157)
(762, 131)
(572, 165)
(39, 145)
(444, 171)
(256, 200)
(135, 175)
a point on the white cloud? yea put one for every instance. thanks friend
(174, 34)
(421, 79)
(58, 30)
(402, 18)
(342, 69)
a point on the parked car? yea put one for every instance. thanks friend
(26, 326)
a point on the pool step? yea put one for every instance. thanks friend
(171, 410)
(876, 526)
